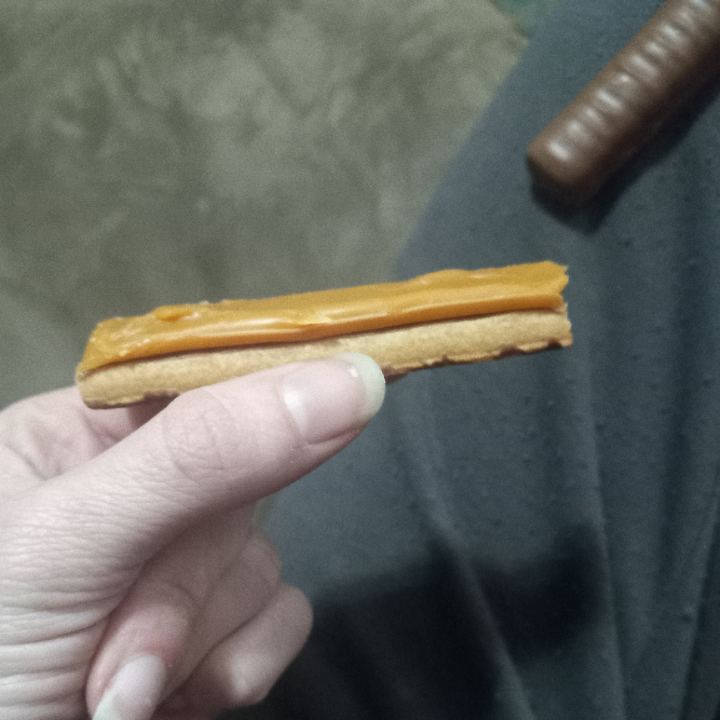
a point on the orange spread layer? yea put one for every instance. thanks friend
(440, 295)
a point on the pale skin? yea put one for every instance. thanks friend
(127, 548)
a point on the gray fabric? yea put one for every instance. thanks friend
(537, 537)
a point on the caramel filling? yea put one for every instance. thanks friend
(442, 295)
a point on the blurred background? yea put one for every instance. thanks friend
(166, 151)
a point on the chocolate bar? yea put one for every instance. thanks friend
(675, 53)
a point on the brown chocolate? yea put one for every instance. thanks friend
(675, 53)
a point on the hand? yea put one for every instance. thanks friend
(131, 576)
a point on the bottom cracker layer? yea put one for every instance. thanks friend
(398, 351)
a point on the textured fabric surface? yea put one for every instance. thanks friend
(175, 151)
(529, 13)
(537, 538)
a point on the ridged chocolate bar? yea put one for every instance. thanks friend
(675, 53)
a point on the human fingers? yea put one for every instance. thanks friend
(212, 581)
(242, 669)
(48, 434)
(220, 446)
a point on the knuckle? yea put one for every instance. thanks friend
(198, 432)
(251, 683)
(250, 686)
(257, 694)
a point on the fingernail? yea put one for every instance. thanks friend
(368, 372)
(135, 691)
(330, 398)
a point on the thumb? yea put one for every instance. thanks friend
(220, 446)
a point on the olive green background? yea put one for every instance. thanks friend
(177, 150)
